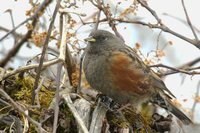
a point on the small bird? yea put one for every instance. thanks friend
(116, 70)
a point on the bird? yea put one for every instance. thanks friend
(116, 70)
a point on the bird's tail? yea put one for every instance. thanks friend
(167, 104)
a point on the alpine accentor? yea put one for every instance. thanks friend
(116, 70)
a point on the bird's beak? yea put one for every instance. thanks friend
(90, 39)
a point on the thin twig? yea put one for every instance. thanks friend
(35, 16)
(182, 21)
(37, 94)
(13, 25)
(185, 67)
(155, 26)
(29, 67)
(17, 35)
(175, 70)
(106, 10)
(188, 21)
(17, 46)
(98, 18)
(189, 64)
(56, 108)
(145, 5)
(160, 25)
(45, 45)
(195, 102)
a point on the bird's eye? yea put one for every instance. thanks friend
(104, 38)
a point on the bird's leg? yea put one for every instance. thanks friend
(108, 102)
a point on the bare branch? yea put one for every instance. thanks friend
(106, 10)
(45, 45)
(175, 70)
(65, 53)
(29, 67)
(17, 46)
(195, 102)
(145, 5)
(182, 21)
(17, 35)
(155, 26)
(56, 108)
(35, 16)
(98, 18)
(188, 21)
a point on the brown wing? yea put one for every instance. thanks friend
(127, 73)
(131, 74)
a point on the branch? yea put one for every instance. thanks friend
(35, 16)
(188, 21)
(101, 6)
(17, 46)
(195, 101)
(65, 53)
(185, 67)
(97, 118)
(145, 5)
(175, 70)
(155, 26)
(57, 98)
(45, 45)
(17, 35)
(29, 67)
(182, 21)
(195, 42)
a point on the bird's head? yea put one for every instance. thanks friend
(99, 40)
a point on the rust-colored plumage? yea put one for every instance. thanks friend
(124, 76)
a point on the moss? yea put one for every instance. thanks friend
(20, 89)
(25, 92)
(129, 118)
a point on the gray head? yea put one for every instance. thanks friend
(101, 40)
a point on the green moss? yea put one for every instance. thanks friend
(25, 93)
(130, 118)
